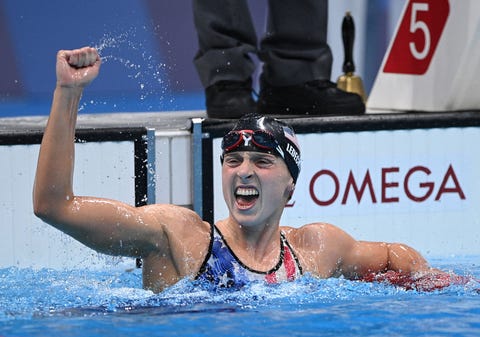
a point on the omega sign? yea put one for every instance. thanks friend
(392, 186)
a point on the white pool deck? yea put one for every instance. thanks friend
(161, 121)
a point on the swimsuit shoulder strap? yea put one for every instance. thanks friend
(287, 249)
(213, 232)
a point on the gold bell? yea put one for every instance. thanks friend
(348, 81)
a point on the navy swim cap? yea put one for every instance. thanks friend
(259, 133)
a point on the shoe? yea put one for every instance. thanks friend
(229, 99)
(314, 98)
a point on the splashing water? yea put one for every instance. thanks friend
(112, 303)
(140, 66)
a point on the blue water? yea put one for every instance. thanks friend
(112, 303)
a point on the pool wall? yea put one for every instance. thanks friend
(413, 178)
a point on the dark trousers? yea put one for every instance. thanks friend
(293, 50)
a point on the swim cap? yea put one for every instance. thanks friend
(259, 133)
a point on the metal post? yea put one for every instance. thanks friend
(197, 167)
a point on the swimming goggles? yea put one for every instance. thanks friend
(259, 138)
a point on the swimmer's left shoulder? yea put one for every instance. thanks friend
(314, 232)
(308, 228)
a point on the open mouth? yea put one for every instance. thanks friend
(246, 196)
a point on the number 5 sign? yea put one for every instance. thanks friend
(417, 37)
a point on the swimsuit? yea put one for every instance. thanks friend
(223, 269)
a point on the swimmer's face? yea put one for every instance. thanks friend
(256, 187)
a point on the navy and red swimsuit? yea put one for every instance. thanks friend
(223, 269)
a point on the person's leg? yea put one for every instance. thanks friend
(294, 49)
(298, 63)
(226, 36)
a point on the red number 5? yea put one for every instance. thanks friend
(417, 37)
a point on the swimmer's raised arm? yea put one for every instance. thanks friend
(108, 226)
(53, 182)
(75, 69)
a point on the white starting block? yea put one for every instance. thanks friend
(433, 61)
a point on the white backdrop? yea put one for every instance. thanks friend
(403, 166)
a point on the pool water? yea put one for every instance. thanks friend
(112, 303)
